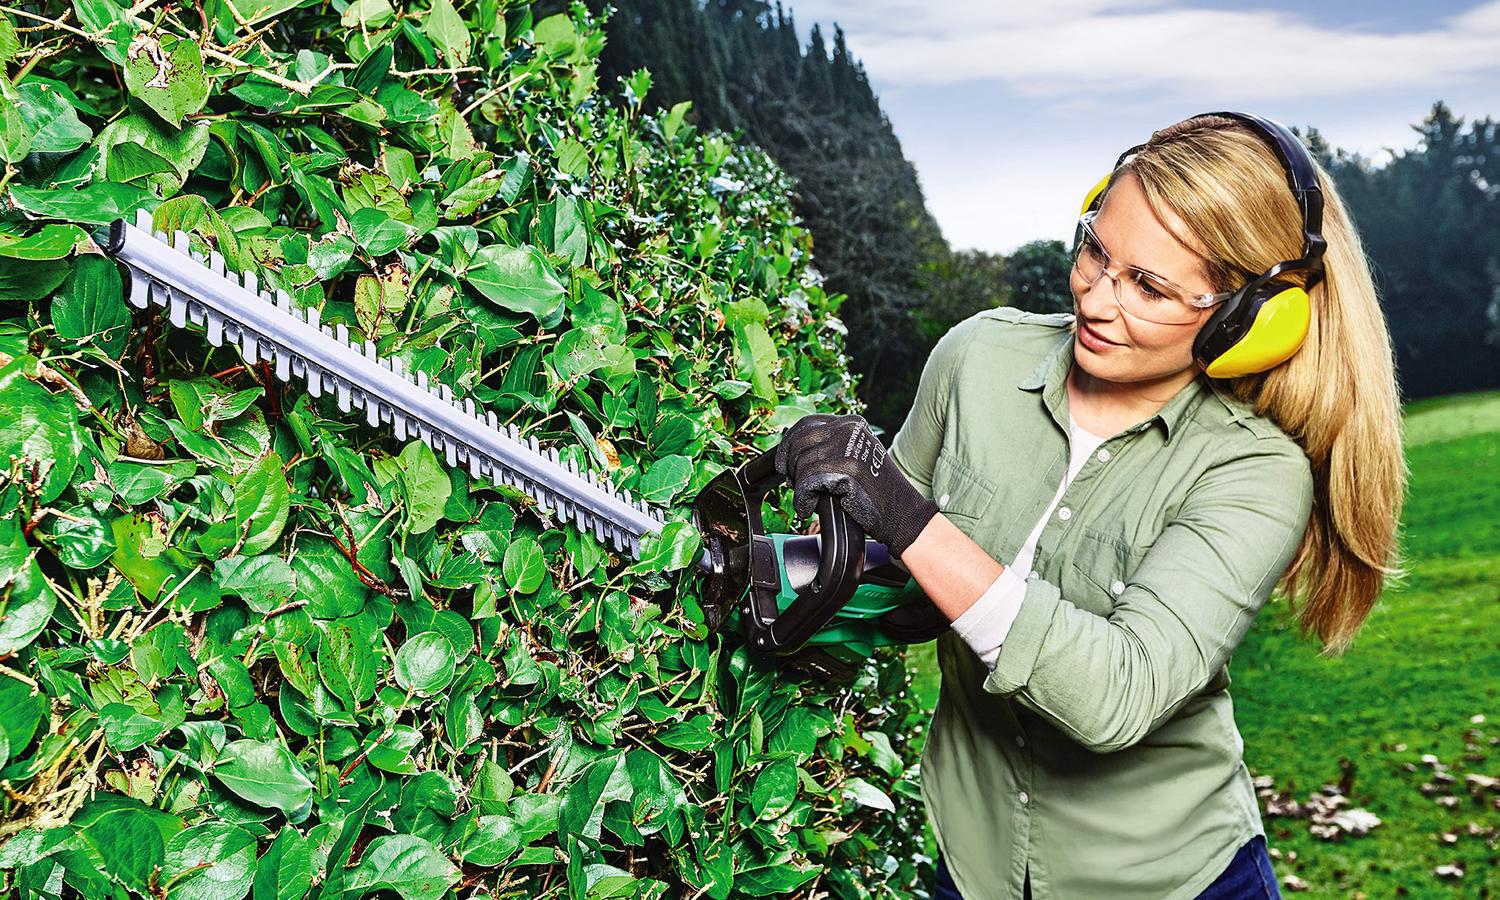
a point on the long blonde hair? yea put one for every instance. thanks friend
(1337, 397)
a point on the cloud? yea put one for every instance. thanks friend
(1099, 47)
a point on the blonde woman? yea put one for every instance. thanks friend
(1101, 503)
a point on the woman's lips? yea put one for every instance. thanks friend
(1094, 338)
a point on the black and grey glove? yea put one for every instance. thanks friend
(840, 455)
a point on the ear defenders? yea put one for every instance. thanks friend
(1264, 322)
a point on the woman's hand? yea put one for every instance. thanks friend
(840, 455)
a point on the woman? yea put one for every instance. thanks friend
(1143, 507)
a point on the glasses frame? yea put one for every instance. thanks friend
(1182, 295)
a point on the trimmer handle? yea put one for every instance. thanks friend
(839, 568)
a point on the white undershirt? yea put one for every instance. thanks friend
(983, 626)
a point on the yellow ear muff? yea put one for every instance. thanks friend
(1098, 189)
(1279, 328)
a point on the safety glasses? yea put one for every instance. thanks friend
(1140, 293)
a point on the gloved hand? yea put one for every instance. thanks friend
(840, 455)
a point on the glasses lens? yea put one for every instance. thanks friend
(1141, 294)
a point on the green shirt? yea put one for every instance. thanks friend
(1101, 751)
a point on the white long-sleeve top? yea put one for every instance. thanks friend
(983, 626)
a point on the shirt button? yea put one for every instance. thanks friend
(1033, 576)
(1020, 742)
(1025, 798)
(1065, 514)
(1117, 588)
(1104, 456)
(943, 500)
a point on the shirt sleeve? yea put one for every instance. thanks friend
(918, 442)
(1109, 681)
(984, 624)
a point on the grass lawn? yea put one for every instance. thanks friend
(1423, 677)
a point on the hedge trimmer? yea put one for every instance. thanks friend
(826, 599)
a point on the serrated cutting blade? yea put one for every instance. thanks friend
(267, 326)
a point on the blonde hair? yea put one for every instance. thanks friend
(1337, 396)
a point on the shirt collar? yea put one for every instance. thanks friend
(1051, 378)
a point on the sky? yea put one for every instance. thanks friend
(1011, 111)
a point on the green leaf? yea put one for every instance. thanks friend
(264, 774)
(129, 841)
(377, 232)
(16, 134)
(263, 582)
(52, 119)
(94, 204)
(52, 242)
(425, 663)
(261, 504)
(604, 781)
(524, 565)
(229, 852)
(167, 74)
(125, 729)
(666, 478)
(866, 794)
(90, 307)
(775, 789)
(674, 547)
(346, 661)
(38, 427)
(21, 710)
(517, 279)
(494, 840)
(448, 32)
(426, 486)
(284, 872)
(407, 864)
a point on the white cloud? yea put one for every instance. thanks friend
(1056, 49)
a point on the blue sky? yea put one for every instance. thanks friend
(1012, 111)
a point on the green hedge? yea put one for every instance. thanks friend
(252, 647)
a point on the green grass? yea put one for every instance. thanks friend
(1426, 663)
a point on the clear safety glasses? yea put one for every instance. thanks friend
(1140, 293)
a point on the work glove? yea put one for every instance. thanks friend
(841, 456)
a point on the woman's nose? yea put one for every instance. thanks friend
(1100, 301)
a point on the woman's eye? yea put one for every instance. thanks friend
(1148, 289)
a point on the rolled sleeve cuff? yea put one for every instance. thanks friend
(984, 625)
(1023, 641)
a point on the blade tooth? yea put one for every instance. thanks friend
(283, 364)
(385, 362)
(216, 262)
(398, 424)
(572, 465)
(532, 442)
(513, 432)
(314, 380)
(369, 349)
(177, 307)
(469, 409)
(196, 312)
(328, 330)
(341, 333)
(283, 300)
(161, 295)
(140, 288)
(445, 393)
(143, 220)
(215, 328)
(451, 452)
(314, 318)
(249, 346)
(422, 379)
(552, 455)
(600, 528)
(299, 367)
(250, 280)
(342, 390)
(491, 420)
(398, 366)
(372, 410)
(635, 547)
(180, 243)
(476, 465)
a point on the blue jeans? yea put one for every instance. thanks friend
(1249, 876)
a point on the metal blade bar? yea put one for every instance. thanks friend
(270, 327)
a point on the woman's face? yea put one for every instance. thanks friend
(1139, 350)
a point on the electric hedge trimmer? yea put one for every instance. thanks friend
(825, 601)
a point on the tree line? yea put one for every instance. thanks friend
(1429, 216)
